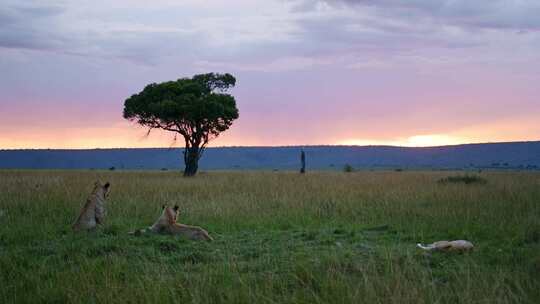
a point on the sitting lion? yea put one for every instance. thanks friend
(166, 224)
(93, 212)
(456, 246)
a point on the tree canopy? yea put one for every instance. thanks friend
(198, 108)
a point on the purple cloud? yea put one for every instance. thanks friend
(354, 69)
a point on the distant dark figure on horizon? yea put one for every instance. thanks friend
(303, 161)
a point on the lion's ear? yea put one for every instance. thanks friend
(176, 208)
(107, 185)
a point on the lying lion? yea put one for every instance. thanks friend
(456, 246)
(166, 224)
(93, 212)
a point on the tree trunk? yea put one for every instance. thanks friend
(191, 159)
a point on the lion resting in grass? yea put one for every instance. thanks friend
(166, 224)
(93, 212)
(456, 246)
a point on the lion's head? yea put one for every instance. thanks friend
(170, 214)
(102, 190)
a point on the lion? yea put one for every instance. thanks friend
(93, 212)
(455, 246)
(166, 224)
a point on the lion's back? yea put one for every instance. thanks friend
(191, 232)
(87, 218)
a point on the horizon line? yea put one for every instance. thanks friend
(277, 146)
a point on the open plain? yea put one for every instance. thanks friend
(280, 237)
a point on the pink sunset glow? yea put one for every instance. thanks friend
(308, 72)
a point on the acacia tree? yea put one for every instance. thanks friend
(197, 108)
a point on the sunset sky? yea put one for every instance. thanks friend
(366, 72)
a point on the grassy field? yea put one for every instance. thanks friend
(329, 237)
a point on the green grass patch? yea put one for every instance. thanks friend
(280, 237)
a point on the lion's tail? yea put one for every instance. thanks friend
(207, 236)
(427, 248)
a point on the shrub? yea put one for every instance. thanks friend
(466, 179)
(348, 168)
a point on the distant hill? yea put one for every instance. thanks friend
(513, 155)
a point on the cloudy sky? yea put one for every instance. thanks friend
(416, 72)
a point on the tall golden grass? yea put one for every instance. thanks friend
(281, 237)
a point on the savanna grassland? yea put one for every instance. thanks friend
(280, 237)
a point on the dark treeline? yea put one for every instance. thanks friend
(521, 155)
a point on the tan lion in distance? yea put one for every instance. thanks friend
(166, 224)
(93, 212)
(456, 246)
